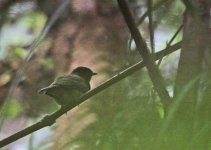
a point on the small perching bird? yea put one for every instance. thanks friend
(67, 89)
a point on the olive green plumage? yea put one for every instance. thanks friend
(68, 88)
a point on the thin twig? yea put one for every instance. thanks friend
(50, 119)
(175, 35)
(151, 29)
(170, 42)
(154, 73)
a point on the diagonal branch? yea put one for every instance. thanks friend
(170, 41)
(51, 119)
(175, 35)
(153, 70)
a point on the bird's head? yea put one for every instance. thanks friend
(84, 72)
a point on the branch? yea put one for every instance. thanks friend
(51, 119)
(150, 25)
(153, 70)
(171, 40)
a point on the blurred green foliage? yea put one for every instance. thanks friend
(14, 108)
(129, 114)
(20, 52)
(20, 31)
(48, 63)
(34, 20)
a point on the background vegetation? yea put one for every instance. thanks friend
(36, 45)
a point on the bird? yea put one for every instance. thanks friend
(67, 89)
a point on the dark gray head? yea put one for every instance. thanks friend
(84, 72)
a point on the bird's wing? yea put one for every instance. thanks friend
(73, 82)
(70, 82)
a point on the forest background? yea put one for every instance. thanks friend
(163, 106)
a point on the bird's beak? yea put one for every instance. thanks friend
(94, 73)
